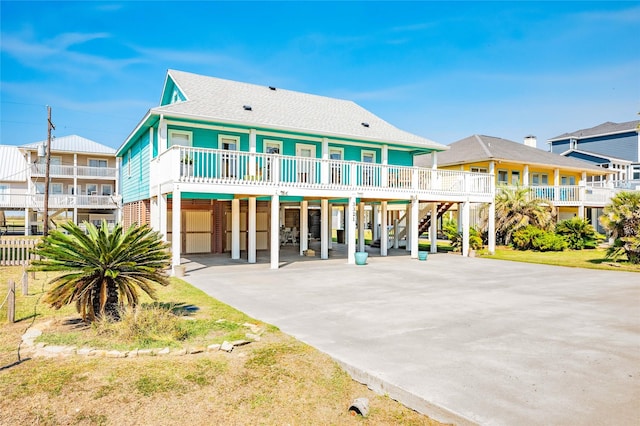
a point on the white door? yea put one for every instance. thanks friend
(306, 165)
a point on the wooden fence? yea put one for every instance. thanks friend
(16, 252)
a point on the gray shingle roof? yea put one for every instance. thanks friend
(223, 100)
(13, 165)
(607, 128)
(479, 148)
(74, 143)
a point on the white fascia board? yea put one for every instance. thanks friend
(591, 136)
(298, 130)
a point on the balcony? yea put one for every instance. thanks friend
(81, 172)
(571, 195)
(199, 169)
(59, 201)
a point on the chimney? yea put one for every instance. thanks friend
(531, 141)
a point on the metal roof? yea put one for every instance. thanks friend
(235, 102)
(477, 148)
(603, 129)
(13, 164)
(74, 144)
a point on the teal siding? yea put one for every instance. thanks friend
(400, 158)
(155, 142)
(135, 176)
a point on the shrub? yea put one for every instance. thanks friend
(578, 233)
(450, 230)
(532, 238)
(622, 219)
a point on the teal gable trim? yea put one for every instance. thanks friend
(171, 93)
(135, 175)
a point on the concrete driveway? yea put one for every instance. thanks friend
(463, 340)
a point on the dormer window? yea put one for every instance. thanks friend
(573, 143)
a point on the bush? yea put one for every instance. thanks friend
(532, 238)
(450, 230)
(578, 233)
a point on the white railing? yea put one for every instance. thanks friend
(57, 201)
(570, 195)
(201, 165)
(69, 171)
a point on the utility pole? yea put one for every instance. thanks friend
(45, 226)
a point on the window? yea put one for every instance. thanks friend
(573, 144)
(567, 180)
(107, 189)
(636, 172)
(97, 163)
(55, 188)
(478, 169)
(503, 177)
(92, 189)
(515, 177)
(336, 168)
(306, 168)
(180, 138)
(538, 179)
(272, 147)
(368, 156)
(229, 160)
(4, 193)
(368, 171)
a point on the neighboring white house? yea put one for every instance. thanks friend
(83, 183)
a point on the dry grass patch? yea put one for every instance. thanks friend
(277, 380)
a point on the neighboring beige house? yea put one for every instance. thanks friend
(83, 184)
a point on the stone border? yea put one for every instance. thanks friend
(51, 351)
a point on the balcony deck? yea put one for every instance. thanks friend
(235, 172)
(68, 171)
(59, 201)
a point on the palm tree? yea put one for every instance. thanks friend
(102, 269)
(622, 219)
(516, 208)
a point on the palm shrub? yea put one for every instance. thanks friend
(450, 229)
(578, 233)
(621, 219)
(515, 209)
(102, 270)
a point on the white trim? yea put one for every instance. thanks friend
(266, 142)
(304, 146)
(172, 132)
(367, 152)
(236, 139)
(340, 150)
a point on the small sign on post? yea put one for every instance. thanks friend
(11, 302)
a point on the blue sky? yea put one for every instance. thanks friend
(442, 70)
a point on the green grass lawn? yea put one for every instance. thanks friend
(591, 259)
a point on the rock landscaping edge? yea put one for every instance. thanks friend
(50, 351)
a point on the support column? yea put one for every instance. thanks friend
(396, 242)
(361, 226)
(324, 228)
(407, 227)
(350, 221)
(375, 234)
(384, 233)
(491, 229)
(176, 227)
(330, 231)
(252, 149)
(275, 232)
(433, 230)
(251, 238)
(304, 226)
(415, 214)
(465, 228)
(162, 215)
(235, 228)
(27, 225)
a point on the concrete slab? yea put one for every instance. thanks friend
(464, 340)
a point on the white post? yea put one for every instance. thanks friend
(324, 228)
(176, 234)
(434, 160)
(407, 226)
(491, 231)
(330, 230)
(304, 226)
(384, 175)
(525, 175)
(75, 187)
(350, 221)
(384, 233)
(235, 228)
(251, 238)
(275, 231)
(556, 184)
(252, 158)
(433, 231)
(465, 228)
(415, 214)
(27, 226)
(162, 215)
(396, 242)
(324, 167)
(361, 226)
(374, 222)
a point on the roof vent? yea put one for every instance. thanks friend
(247, 107)
(365, 124)
(272, 87)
